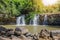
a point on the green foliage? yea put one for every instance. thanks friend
(17, 7)
(29, 17)
(8, 8)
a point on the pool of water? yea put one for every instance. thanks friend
(34, 29)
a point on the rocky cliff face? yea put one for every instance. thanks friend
(52, 19)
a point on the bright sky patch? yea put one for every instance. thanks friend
(49, 2)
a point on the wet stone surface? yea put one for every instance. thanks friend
(21, 33)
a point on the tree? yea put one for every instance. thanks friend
(16, 7)
(8, 8)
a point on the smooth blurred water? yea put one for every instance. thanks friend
(34, 21)
(45, 20)
(20, 20)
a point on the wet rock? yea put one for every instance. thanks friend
(17, 33)
(16, 38)
(21, 33)
(35, 37)
(9, 32)
(2, 30)
(2, 38)
(55, 34)
(28, 34)
(20, 30)
(44, 33)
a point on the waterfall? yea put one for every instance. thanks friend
(20, 20)
(34, 21)
(45, 20)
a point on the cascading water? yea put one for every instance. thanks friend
(45, 20)
(21, 20)
(34, 21)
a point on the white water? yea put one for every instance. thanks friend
(20, 20)
(34, 21)
(45, 20)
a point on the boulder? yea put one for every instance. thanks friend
(2, 30)
(21, 30)
(55, 34)
(28, 34)
(9, 32)
(35, 37)
(44, 33)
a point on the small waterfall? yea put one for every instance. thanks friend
(34, 21)
(21, 20)
(45, 20)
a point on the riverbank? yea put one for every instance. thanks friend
(11, 32)
(31, 27)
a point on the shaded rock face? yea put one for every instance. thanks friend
(52, 19)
